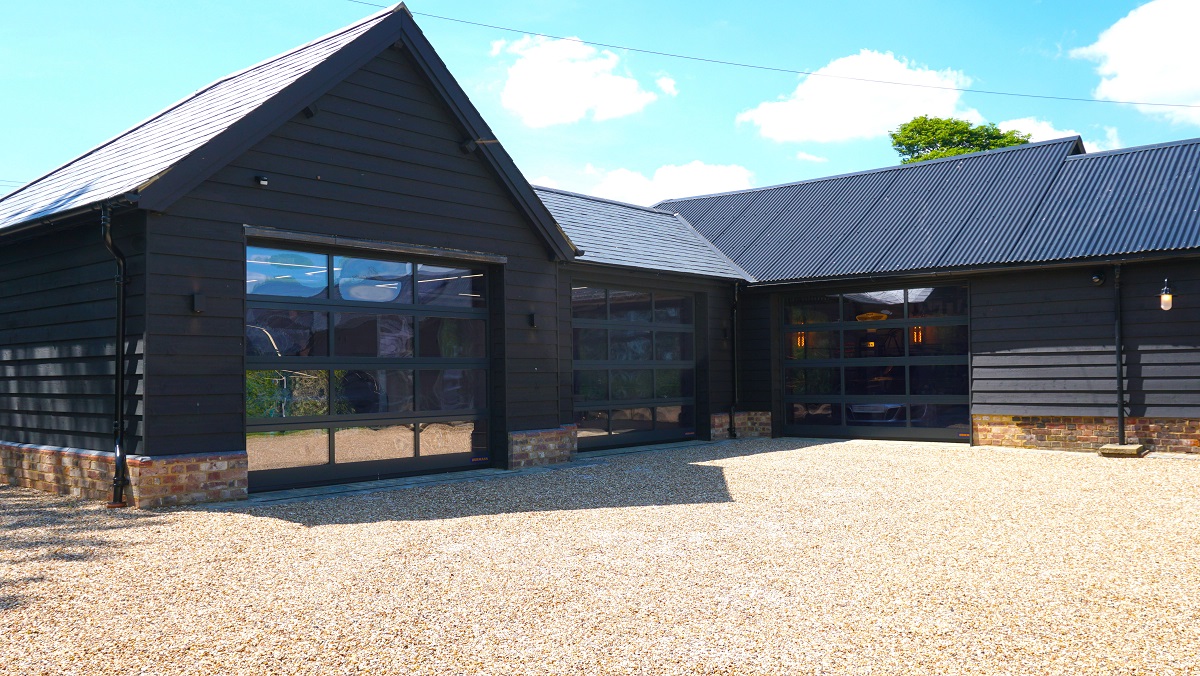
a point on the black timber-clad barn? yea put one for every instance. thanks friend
(991, 297)
(333, 272)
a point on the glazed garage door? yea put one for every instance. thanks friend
(885, 364)
(362, 367)
(634, 365)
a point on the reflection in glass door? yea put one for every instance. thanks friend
(634, 365)
(886, 364)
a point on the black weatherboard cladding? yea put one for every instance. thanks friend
(57, 336)
(381, 160)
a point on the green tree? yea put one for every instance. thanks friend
(928, 138)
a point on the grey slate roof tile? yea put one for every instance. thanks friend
(136, 157)
(615, 233)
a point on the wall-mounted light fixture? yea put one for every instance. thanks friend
(1165, 298)
(918, 334)
(260, 179)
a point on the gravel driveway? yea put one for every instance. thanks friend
(760, 556)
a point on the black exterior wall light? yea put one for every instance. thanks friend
(1166, 299)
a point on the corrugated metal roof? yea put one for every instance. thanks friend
(615, 233)
(949, 213)
(135, 157)
(1135, 200)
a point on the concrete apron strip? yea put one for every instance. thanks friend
(293, 495)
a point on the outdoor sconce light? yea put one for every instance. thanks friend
(260, 179)
(1165, 298)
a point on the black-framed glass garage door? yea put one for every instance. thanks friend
(884, 364)
(634, 365)
(360, 366)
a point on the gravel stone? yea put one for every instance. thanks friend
(782, 556)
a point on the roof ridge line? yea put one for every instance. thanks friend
(602, 199)
(193, 95)
(898, 167)
(1135, 149)
(713, 247)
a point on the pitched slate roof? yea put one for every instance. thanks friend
(1134, 200)
(941, 214)
(162, 158)
(616, 233)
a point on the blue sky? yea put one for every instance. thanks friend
(629, 125)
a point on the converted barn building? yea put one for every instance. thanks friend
(327, 269)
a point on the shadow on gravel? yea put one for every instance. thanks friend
(38, 527)
(659, 477)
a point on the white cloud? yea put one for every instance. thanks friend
(1041, 130)
(667, 85)
(805, 157)
(561, 81)
(545, 182)
(1150, 55)
(693, 178)
(825, 109)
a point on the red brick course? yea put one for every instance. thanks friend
(747, 424)
(154, 481)
(531, 448)
(1085, 433)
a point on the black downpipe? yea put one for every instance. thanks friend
(119, 470)
(733, 341)
(1119, 349)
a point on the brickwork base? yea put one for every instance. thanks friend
(1084, 433)
(748, 424)
(530, 448)
(154, 481)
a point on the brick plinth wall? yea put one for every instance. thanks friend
(747, 424)
(1085, 434)
(530, 448)
(154, 481)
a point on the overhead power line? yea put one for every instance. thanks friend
(792, 71)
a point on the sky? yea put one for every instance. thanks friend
(634, 126)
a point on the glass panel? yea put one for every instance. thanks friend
(895, 415)
(452, 390)
(674, 418)
(356, 392)
(444, 438)
(942, 301)
(939, 379)
(874, 306)
(812, 381)
(286, 333)
(591, 385)
(284, 393)
(947, 416)
(672, 346)
(589, 302)
(592, 423)
(674, 383)
(452, 338)
(811, 345)
(279, 272)
(291, 448)
(363, 444)
(631, 420)
(632, 384)
(813, 309)
(363, 279)
(813, 414)
(359, 334)
(868, 343)
(631, 346)
(591, 344)
(629, 306)
(875, 380)
(671, 309)
(456, 287)
(937, 340)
